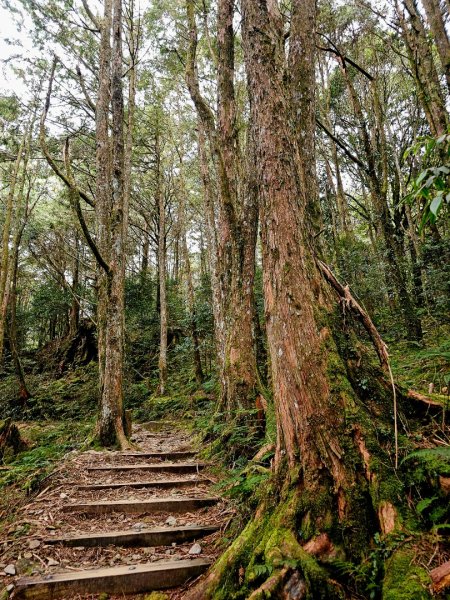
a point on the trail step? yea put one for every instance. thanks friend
(134, 579)
(156, 467)
(157, 536)
(169, 505)
(162, 483)
(176, 455)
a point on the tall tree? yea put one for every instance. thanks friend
(328, 486)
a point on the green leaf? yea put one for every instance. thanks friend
(421, 177)
(436, 204)
(424, 504)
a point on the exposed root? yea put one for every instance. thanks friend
(441, 577)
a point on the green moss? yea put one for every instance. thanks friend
(405, 580)
(156, 596)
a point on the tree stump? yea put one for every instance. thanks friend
(10, 441)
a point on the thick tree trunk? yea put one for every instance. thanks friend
(103, 178)
(326, 500)
(111, 430)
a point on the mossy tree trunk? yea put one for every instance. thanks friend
(334, 483)
(235, 225)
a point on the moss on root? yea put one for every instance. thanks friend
(405, 580)
(264, 558)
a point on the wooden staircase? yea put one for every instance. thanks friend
(130, 578)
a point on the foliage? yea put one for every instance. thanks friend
(431, 188)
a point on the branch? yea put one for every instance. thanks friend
(346, 296)
(342, 146)
(91, 15)
(43, 141)
(74, 196)
(335, 50)
(84, 90)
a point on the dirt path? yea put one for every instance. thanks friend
(69, 520)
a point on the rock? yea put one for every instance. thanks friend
(174, 544)
(10, 570)
(63, 496)
(171, 521)
(138, 526)
(168, 552)
(10, 587)
(150, 550)
(136, 556)
(27, 555)
(33, 544)
(195, 549)
(52, 562)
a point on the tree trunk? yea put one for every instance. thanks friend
(160, 204)
(5, 242)
(236, 231)
(325, 500)
(423, 67)
(436, 21)
(111, 429)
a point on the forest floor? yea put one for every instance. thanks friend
(27, 547)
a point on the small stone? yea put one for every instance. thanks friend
(138, 526)
(136, 556)
(174, 544)
(195, 549)
(27, 555)
(132, 568)
(78, 548)
(33, 544)
(10, 570)
(52, 562)
(9, 588)
(168, 552)
(63, 496)
(150, 550)
(171, 521)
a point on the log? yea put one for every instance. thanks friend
(157, 536)
(162, 483)
(156, 467)
(167, 505)
(133, 579)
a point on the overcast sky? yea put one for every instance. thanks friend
(21, 46)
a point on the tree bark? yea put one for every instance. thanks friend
(236, 228)
(326, 492)
(162, 257)
(423, 67)
(436, 21)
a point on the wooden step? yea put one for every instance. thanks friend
(134, 579)
(169, 505)
(155, 467)
(177, 455)
(162, 483)
(157, 536)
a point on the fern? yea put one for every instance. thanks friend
(436, 459)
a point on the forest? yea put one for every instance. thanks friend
(225, 299)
